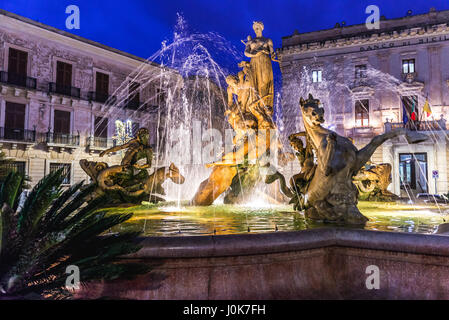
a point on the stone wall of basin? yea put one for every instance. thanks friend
(311, 264)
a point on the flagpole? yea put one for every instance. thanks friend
(420, 118)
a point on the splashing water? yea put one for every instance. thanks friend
(191, 91)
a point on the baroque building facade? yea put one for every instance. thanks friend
(371, 81)
(63, 98)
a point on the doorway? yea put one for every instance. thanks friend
(413, 173)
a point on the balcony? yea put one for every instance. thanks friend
(17, 136)
(360, 132)
(432, 125)
(64, 90)
(101, 97)
(409, 77)
(61, 140)
(99, 143)
(360, 82)
(134, 104)
(17, 80)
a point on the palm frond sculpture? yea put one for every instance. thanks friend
(53, 229)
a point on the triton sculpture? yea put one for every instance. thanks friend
(130, 182)
(324, 187)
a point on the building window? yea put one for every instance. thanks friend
(316, 76)
(8, 166)
(410, 107)
(102, 86)
(66, 169)
(63, 74)
(362, 113)
(17, 67)
(101, 127)
(135, 128)
(360, 71)
(134, 94)
(408, 66)
(161, 97)
(61, 122)
(14, 121)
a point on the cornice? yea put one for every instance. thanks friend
(375, 38)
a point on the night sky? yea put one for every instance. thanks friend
(139, 26)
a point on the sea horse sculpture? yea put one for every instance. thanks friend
(327, 192)
(130, 181)
(147, 188)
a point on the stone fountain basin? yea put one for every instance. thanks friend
(310, 264)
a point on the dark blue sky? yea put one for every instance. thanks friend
(139, 26)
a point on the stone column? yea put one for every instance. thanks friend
(384, 96)
(435, 80)
(2, 112)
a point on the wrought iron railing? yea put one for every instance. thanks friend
(64, 90)
(17, 80)
(62, 139)
(432, 125)
(15, 134)
(100, 142)
(101, 97)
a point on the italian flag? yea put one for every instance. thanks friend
(413, 114)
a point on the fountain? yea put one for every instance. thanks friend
(252, 112)
(121, 182)
(326, 189)
(216, 239)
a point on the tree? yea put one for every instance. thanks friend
(53, 229)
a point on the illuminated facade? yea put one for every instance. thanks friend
(374, 80)
(64, 98)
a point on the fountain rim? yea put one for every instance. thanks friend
(289, 241)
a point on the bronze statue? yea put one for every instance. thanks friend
(329, 193)
(261, 52)
(130, 181)
(250, 102)
(137, 148)
(372, 181)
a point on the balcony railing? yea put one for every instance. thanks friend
(433, 125)
(64, 90)
(18, 135)
(360, 132)
(100, 143)
(62, 139)
(409, 77)
(101, 97)
(133, 104)
(17, 80)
